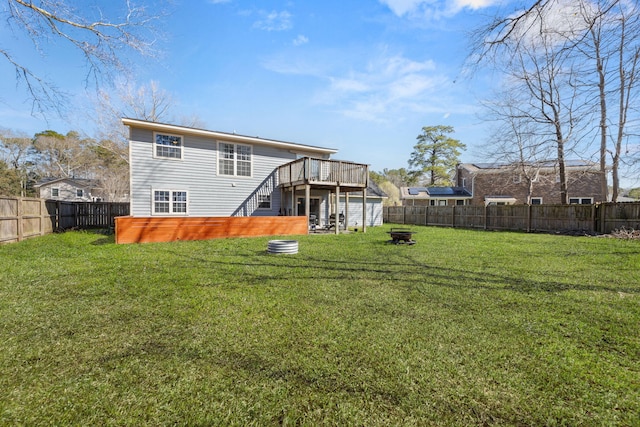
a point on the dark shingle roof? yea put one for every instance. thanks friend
(439, 191)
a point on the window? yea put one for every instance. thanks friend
(442, 203)
(168, 146)
(459, 202)
(169, 202)
(234, 159)
(79, 192)
(264, 201)
(517, 179)
(55, 192)
(536, 200)
(580, 200)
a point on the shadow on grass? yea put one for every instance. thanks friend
(404, 268)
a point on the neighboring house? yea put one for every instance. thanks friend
(183, 171)
(69, 189)
(508, 184)
(496, 183)
(434, 196)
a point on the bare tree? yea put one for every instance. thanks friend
(539, 69)
(601, 44)
(103, 41)
(67, 156)
(515, 142)
(145, 102)
(612, 48)
(18, 153)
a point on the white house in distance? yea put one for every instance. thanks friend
(181, 171)
(69, 189)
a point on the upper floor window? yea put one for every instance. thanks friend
(55, 192)
(517, 179)
(536, 200)
(79, 192)
(234, 159)
(169, 202)
(168, 146)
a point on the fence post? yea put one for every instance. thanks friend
(486, 209)
(57, 217)
(43, 209)
(453, 217)
(602, 215)
(20, 228)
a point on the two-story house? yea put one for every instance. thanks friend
(535, 183)
(178, 171)
(508, 184)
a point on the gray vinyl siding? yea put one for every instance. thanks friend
(374, 210)
(196, 173)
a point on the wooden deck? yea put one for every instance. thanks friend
(324, 174)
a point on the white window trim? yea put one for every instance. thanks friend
(536, 198)
(57, 190)
(270, 202)
(235, 160)
(79, 192)
(171, 212)
(580, 199)
(155, 146)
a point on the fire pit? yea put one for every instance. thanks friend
(402, 235)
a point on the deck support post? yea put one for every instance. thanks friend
(364, 210)
(346, 210)
(307, 199)
(336, 208)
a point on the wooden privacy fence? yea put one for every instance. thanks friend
(22, 218)
(601, 218)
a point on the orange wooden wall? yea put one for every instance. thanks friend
(164, 229)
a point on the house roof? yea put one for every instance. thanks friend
(433, 192)
(78, 182)
(226, 136)
(573, 164)
(374, 191)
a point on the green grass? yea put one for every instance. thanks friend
(463, 328)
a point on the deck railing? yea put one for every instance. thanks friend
(308, 170)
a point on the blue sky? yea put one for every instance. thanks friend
(362, 77)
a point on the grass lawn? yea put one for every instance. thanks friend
(463, 328)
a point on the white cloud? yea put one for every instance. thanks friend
(559, 20)
(434, 9)
(300, 40)
(274, 21)
(402, 7)
(386, 86)
(474, 4)
(219, 1)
